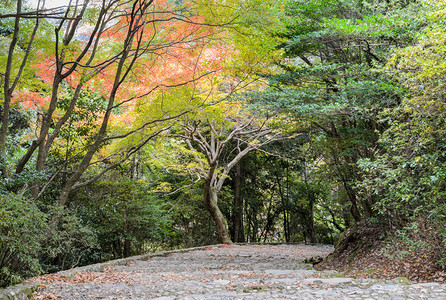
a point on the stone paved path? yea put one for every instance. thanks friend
(233, 272)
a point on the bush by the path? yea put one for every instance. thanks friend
(21, 225)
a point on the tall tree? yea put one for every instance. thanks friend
(211, 138)
(11, 80)
(331, 84)
(99, 47)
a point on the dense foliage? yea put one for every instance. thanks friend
(149, 125)
(21, 226)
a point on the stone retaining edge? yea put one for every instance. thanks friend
(21, 291)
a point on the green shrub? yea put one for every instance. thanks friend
(21, 227)
(124, 217)
(69, 245)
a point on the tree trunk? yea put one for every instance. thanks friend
(237, 216)
(8, 94)
(286, 225)
(354, 207)
(210, 200)
(311, 199)
(127, 247)
(311, 225)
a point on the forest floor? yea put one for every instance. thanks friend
(369, 251)
(230, 272)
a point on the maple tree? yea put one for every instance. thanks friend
(104, 56)
(97, 50)
(10, 82)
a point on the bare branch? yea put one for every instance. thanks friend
(47, 183)
(183, 187)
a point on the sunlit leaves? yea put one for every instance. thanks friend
(81, 125)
